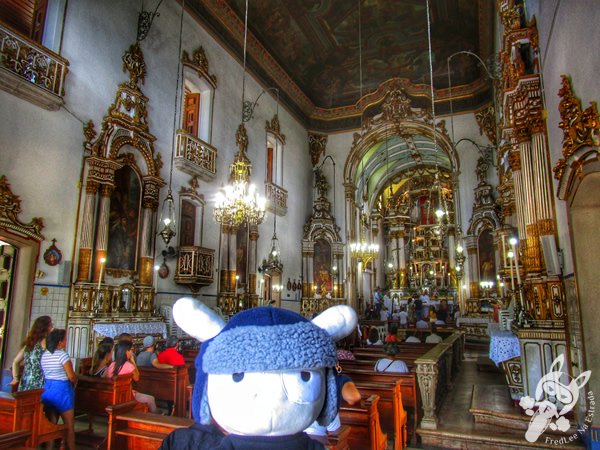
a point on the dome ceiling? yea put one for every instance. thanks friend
(309, 49)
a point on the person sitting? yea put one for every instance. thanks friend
(123, 364)
(422, 324)
(391, 336)
(391, 365)
(413, 338)
(433, 338)
(171, 354)
(432, 314)
(147, 357)
(442, 315)
(101, 360)
(373, 338)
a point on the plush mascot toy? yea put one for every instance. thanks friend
(263, 377)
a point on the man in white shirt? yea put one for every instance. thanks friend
(433, 338)
(403, 316)
(387, 301)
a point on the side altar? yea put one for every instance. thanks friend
(109, 311)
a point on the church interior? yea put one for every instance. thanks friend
(307, 154)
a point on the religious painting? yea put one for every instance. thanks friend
(241, 253)
(188, 223)
(322, 267)
(123, 222)
(485, 253)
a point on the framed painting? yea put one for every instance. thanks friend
(123, 222)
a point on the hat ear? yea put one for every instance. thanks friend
(197, 319)
(338, 321)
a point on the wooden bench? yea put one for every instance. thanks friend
(165, 384)
(392, 416)
(408, 387)
(84, 365)
(365, 429)
(24, 411)
(15, 439)
(129, 427)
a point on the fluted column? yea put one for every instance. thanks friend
(232, 259)
(149, 206)
(224, 260)
(102, 232)
(351, 235)
(87, 233)
(515, 165)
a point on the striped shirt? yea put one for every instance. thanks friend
(53, 365)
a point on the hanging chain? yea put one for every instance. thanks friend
(177, 96)
(431, 81)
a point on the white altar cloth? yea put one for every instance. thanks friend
(115, 329)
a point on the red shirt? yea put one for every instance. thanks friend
(171, 356)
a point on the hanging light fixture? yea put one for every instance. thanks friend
(167, 215)
(362, 250)
(239, 201)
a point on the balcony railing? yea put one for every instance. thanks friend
(195, 157)
(277, 199)
(195, 267)
(31, 71)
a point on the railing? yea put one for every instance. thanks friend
(33, 63)
(435, 370)
(195, 266)
(195, 157)
(277, 197)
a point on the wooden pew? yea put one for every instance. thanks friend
(365, 430)
(24, 411)
(165, 384)
(392, 416)
(408, 387)
(132, 428)
(15, 439)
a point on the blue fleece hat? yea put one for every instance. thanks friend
(266, 339)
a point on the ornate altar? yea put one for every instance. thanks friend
(115, 256)
(322, 254)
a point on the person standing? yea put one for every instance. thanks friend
(31, 354)
(59, 378)
(418, 308)
(378, 301)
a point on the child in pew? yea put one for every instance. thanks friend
(59, 377)
(101, 360)
(123, 364)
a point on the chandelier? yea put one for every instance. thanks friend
(364, 251)
(239, 202)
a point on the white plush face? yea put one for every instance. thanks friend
(275, 403)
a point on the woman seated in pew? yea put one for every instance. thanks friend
(59, 377)
(392, 334)
(422, 324)
(101, 360)
(373, 338)
(391, 365)
(123, 364)
(31, 353)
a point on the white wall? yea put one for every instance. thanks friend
(41, 152)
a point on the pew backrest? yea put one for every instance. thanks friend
(365, 429)
(94, 394)
(165, 384)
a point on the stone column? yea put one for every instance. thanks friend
(87, 233)
(102, 232)
(351, 235)
(232, 259)
(224, 258)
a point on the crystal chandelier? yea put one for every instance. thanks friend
(239, 201)
(364, 251)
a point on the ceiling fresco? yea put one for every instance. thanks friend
(310, 49)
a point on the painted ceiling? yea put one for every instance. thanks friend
(310, 50)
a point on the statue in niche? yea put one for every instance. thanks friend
(481, 171)
(321, 184)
